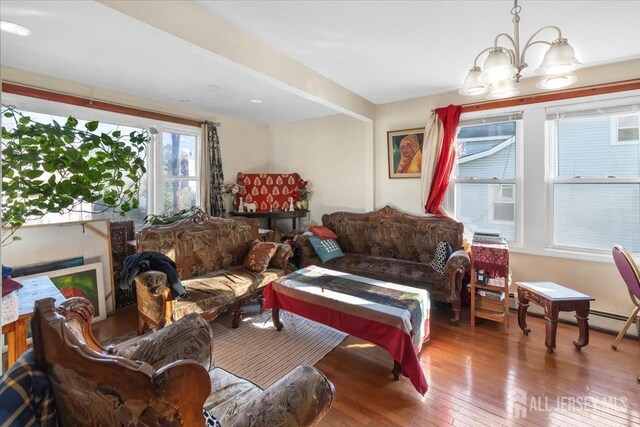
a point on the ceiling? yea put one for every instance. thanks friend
(75, 40)
(393, 50)
(383, 51)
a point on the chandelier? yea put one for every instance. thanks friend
(503, 66)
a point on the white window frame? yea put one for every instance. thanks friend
(159, 163)
(154, 164)
(553, 179)
(517, 181)
(614, 127)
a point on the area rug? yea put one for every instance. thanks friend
(257, 352)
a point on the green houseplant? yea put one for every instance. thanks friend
(58, 168)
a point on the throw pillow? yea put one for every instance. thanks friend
(327, 249)
(259, 256)
(210, 420)
(323, 232)
(440, 257)
(9, 285)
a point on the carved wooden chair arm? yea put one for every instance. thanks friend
(300, 398)
(457, 266)
(188, 338)
(154, 296)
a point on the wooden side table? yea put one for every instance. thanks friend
(272, 216)
(31, 291)
(493, 258)
(554, 298)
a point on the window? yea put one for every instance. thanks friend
(625, 129)
(172, 180)
(180, 171)
(485, 181)
(594, 184)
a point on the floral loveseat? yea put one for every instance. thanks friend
(166, 378)
(394, 246)
(209, 253)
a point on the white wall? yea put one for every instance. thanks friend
(599, 279)
(330, 152)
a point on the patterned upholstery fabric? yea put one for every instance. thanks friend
(26, 397)
(259, 256)
(209, 253)
(391, 245)
(221, 288)
(188, 338)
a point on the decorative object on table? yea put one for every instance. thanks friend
(232, 189)
(302, 194)
(554, 298)
(490, 261)
(291, 206)
(250, 207)
(631, 276)
(122, 232)
(405, 153)
(503, 65)
(241, 205)
(90, 171)
(268, 191)
(84, 281)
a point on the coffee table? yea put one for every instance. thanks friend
(393, 316)
(554, 298)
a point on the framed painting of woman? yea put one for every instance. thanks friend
(405, 153)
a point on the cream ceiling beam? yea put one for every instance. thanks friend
(232, 46)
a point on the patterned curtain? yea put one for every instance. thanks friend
(212, 189)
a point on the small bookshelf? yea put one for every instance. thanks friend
(490, 300)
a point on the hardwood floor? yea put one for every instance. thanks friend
(476, 377)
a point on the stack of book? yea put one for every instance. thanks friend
(494, 238)
(489, 300)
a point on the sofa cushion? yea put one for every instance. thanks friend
(259, 255)
(228, 394)
(220, 288)
(322, 232)
(327, 249)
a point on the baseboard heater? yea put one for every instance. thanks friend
(598, 320)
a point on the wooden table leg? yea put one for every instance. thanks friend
(16, 341)
(270, 224)
(397, 370)
(523, 306)
(295, 228)
(275, 315)
(582, 316)
(551, 324)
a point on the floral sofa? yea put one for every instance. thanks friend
(209, 253)
(394, 246)
(167, 378)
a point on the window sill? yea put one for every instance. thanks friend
(563, 253)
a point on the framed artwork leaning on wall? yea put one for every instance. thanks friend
(405, 153)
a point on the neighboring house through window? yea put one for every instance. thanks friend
(594, 185)
(483, 189)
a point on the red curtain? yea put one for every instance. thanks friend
(450, 117)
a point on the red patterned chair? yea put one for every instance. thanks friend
(269, 191)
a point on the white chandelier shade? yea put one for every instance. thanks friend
(502, 67)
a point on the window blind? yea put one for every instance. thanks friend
(629, 105)
(517, 115)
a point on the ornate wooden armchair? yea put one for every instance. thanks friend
(162, 379)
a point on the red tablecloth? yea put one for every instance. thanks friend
(383, 325)
(491, 257)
